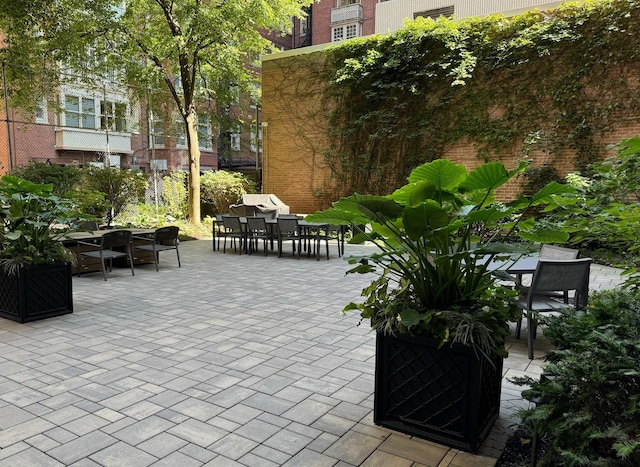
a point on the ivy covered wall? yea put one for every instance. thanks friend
(556, 87)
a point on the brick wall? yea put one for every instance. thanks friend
(295, 137)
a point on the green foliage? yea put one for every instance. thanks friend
(524, 83)
(222, 188)
(434, 236)
(62, 178)
(174, 194)
(588, 402)
(603, 213)
(90, 202)
(35, 220)
(213, 48)
(119, 186)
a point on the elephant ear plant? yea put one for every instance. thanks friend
(435, 237)
(35, 220)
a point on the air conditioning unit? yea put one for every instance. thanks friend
(158, 164)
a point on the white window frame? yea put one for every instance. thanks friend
(85, 112)
(113, 115)
(205, 140)
(42, 112)
(341, 32)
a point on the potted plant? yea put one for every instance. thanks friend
(35, 268)
(440, 317)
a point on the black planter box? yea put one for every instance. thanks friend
(446, 395)
(36, 292)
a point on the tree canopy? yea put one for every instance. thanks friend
(198, 50)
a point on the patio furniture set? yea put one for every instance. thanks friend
(246, 234)
(559, 279)
(133, 246)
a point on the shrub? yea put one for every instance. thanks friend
(588, 403)
(64, 178)
(221, 188)
(119, 186)
(174, 194)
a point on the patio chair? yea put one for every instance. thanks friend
(557, 252)
(163, 239)
(288, 230)
(113, 244)
(257, 229)
(553, 277)
(232, 228)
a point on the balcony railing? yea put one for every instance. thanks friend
(79, 139)
(347, 13)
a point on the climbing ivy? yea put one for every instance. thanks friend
(551, 81)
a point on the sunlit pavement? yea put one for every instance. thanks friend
(230, 360)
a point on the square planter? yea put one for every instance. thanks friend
(36, 292)
(446, 395)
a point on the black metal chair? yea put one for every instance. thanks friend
(232, 228)
(257, 229)
(552, 282)
(163, 239)
(113, 244)
(288, 230)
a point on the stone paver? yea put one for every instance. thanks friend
(230, 360)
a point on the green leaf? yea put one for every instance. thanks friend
(545, 195)
(545, 236)
(414, 193)
(486, 177)
(444, 174)
(420, 220)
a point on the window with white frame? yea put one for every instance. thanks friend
(80, 112)
(234, 140)
(113, 115)
(41, 111)
(347, 2)
(435, 13)
(345, 31)
(204, 133)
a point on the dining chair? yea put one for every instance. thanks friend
(550, 278)
(288, 230)
(217, 231)
(257, 229)
(232, 228)
(113, 244)
(163, 239)
(557, 252)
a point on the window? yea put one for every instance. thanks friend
(41, 111)
(435, 13)
(113, 115)
(338, 34)
(234, 140)
(346, 31)
(72, 111)
(351, 31)
(204, 133)
(347, 2)
(88, 113)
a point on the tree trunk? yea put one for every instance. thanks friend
(194, 168)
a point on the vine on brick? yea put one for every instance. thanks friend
(552, 81)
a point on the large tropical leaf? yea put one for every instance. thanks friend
(486, 177)
(545, 236)
(359, 209)
(443, 173)
(547, 193)
(424, 218)
(413, 194)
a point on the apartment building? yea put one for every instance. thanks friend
(337, 20)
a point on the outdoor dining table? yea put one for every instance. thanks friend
(71, 241)
(302, 225)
